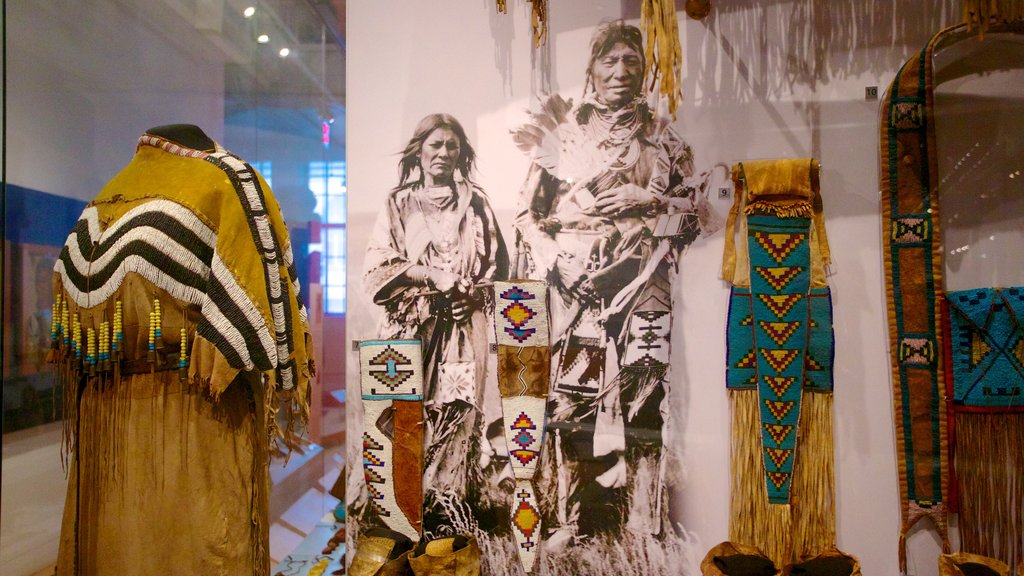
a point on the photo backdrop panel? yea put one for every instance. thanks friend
(625, 430)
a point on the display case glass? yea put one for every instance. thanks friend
(83, 81)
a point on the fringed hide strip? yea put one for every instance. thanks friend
(981, 13)
(538, 18)
(805, 527)
(990, 476)
(912, 255)
(664, 53)
(814, 521)
(539, 21)
(753, 521)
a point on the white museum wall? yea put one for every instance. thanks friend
(84, 80)
(761, 80)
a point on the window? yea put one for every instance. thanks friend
(328, 183)
(264, 169)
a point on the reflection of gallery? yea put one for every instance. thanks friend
(637, 287)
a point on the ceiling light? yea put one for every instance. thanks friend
(284, 52)
(248, 12)
(263, 38)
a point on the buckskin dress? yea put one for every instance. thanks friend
(184, 250)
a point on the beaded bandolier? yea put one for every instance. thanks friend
(957, 358)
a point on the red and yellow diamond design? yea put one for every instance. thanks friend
(526, 518)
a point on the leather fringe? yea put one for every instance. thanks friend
(805, 527)
(982, 13)
(260, 482)
(814, 524)
(781, 208)
(643, 380)
(903, 550)
(753, 521)
(989, 463)
(538, 18)
(664, 52)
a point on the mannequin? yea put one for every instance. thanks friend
(188, 135)
(178, 333)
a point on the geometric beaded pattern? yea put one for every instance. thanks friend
(520, 313)
(987, 347)
(391, 369)
(911, 230)
(378, 470)
(523, 423)
(521, 321)
(649, 331)
(907, 115)
(526, 523)
(821, 342)
(779, 251)
(741, 359)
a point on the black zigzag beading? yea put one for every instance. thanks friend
(220, 342)
(158, 239)
(161, 222)
(94, 279)
(236, 317)
(293, 276)
(255, 208)
(82, 236)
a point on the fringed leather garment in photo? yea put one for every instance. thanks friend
(391, 382)
(524, 362)
(780, 352)
(178, 333)
(926, 425)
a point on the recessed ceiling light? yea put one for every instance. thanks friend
(248, 12)
(263, 38)
(284, 52)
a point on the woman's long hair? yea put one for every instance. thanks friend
(409, 165)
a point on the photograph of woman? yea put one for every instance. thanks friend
(430, 263)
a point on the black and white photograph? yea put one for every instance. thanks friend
(610, 196)
(567, 163)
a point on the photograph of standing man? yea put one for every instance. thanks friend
(609, 204)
